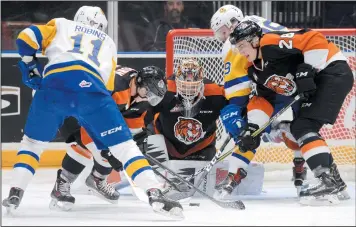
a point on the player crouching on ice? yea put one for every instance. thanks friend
(73, 83)
(237, 87)
(133, 92)
(301, 63)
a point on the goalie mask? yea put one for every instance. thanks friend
(151, 81)
(190, 85)
(92, 16)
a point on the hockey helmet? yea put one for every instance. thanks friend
(92, 16)
(153, 79)
(223, 19)
(246, 30)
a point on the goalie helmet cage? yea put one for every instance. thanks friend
(201, 44)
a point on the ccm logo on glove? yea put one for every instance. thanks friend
(228, 115)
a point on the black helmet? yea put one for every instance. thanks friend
(246, 30)
(154, 80)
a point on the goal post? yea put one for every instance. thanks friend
(201, 44)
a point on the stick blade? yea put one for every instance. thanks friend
(238, 204)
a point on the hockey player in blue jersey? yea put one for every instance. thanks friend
(82, 60)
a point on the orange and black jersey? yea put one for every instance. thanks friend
(134, 112)
(189, 134)
(274, 74)
(282, 52)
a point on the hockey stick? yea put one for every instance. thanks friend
(219, 157)
(205, 169)
(260, 130)
(172, 184)
(224, 204)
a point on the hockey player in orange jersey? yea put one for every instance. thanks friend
(290, 63)
(237, 90)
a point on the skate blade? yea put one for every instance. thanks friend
(60, 205)
(326, 200)
(10, 210)
(175, 213)
(302, 187)
(343, 195)
(97, 194)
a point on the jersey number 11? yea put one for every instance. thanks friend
(96, 47)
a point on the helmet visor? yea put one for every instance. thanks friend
(153, 99)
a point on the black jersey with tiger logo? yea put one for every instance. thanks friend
(189, 134)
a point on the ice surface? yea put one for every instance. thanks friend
(276, 206)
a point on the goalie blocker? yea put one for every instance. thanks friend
(157, 148)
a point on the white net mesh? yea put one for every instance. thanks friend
(340, 137)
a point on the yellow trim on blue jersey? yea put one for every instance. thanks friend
(111, 82)
(73, 67)
(24, 37)
(239, 93)
(48, 32)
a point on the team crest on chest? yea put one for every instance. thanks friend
(188, 130)
(281, 85)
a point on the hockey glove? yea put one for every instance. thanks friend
(141, 140)
(31, 70)
(232, 119)
(305, 80)
(247, 141)
(114, 162)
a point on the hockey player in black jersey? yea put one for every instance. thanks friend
(290, 63)
(133, 91)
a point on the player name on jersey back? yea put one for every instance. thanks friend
(90, 31)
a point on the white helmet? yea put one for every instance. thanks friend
(226, 15)
(92, 16)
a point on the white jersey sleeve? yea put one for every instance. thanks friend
(66, 42)
(266, 25)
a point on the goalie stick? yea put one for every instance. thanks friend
(220, 156)
(206, 170)
(238, 204)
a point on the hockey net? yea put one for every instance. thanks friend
(201, 44)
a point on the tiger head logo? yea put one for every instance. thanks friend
(188, 130)
(281, 85)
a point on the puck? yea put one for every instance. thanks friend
(194, 204)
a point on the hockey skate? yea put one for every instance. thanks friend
(225, 188)
(162, 205)
(13, 201)
(61, 197)
(299, 174)
(343, 194)
(323, 193)
(102, 189)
